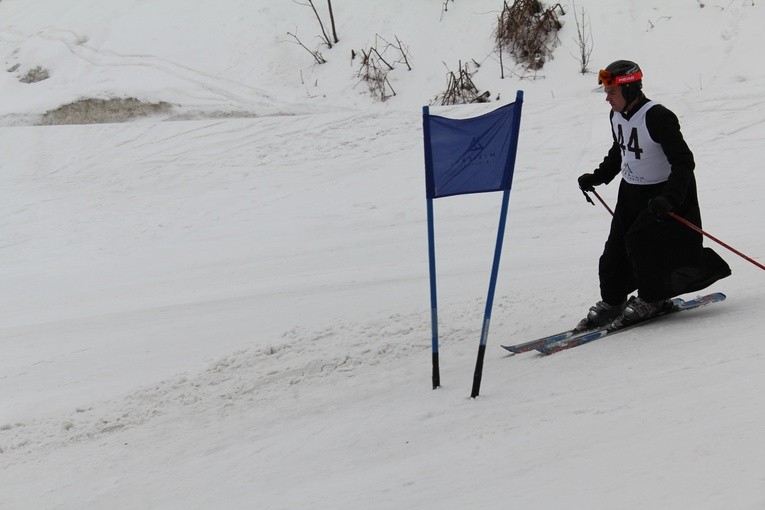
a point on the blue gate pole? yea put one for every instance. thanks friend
(433, 297)
(509, 169)
(478, 374)
(431, 247)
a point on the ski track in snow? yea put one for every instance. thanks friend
(204, 94)
(229, 309)
(288, 370)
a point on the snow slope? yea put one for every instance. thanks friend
(226, 306)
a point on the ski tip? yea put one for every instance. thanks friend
(713, 297)
(521, 348)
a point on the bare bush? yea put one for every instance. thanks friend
(460, 88)
(378, 61)
(445, 8)
(528, 32)
(374, 71)
(316, 54)
(583, 39)
(329, 42)
(332, 21)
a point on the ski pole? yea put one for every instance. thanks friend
(603, 202)
(697, 229)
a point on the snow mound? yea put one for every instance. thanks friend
(99, 111)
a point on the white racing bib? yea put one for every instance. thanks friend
(643, 160)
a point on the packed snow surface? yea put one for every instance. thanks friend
(214, 270)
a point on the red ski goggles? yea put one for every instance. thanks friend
(608, 79)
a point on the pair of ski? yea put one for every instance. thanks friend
(571, 338)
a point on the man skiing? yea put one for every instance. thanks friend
(647, 250)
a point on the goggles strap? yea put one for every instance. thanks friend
(607, 78)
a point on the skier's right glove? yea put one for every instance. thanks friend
(587, 182)
(659, 206)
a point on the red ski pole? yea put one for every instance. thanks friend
(697, 229)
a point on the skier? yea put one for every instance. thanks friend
(647, 250)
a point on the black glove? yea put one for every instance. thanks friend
(659, 206)
(587, 182)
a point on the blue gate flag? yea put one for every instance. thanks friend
(462, 156)
(474, 155)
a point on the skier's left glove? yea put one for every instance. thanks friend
(659, 206)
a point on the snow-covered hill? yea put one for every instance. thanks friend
(225, 305)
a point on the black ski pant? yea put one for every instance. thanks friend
(659, 259)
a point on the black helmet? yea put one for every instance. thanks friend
(624, 73)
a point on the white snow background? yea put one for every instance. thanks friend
(226, 306)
